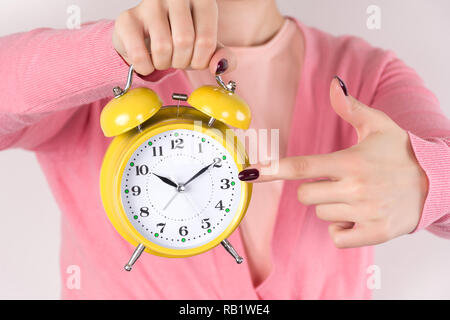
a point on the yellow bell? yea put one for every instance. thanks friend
(129, 108)
(223, 104)
(128, 111)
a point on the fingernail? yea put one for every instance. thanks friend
(248, 175)
(343, 86)
(222, 66)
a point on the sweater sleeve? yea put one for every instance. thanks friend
(47, 74)
(402, 95)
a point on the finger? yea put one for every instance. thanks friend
(344, 225)
(132, 36)
(330, 165)
(310, 193)
(223, 60)
(363, 118)
(205, 16)
(160, 37)
(183, 34)
(358, 236)
(336, 212)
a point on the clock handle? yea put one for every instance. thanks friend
(230, 86)
(118, 91)
(136, 254)
(227, 245)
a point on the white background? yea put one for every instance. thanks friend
(412, 267)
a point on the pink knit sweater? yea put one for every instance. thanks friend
(54, 86)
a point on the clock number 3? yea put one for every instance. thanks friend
(226, 184)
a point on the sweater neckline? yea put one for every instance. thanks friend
(274, 272)
(268, 44)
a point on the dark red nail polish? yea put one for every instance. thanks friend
(248, 175)
(222, 66)
(343, 86)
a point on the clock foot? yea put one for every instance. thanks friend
(227, 245)
(136, 254)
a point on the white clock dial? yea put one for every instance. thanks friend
(165, 202)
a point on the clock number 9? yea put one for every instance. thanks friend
(136, 190)
(183, 231)
(144, 212)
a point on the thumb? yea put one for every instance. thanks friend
(363, 118)
(223, 60)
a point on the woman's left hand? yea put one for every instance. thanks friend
(371, 192)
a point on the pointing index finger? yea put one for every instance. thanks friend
(297, 168)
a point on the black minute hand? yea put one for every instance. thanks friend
(200, 172)
(167, 180)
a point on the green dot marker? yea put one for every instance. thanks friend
(176, 134)
(209, 230)
(131, 164)
(126, 190)
(233, 183)
(135, 217)
(224, 157)
(183, 240)
(156, 235)
(150, 143)
(227, 210)
(203, 139)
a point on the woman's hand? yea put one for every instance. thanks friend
(163, 34)
(373, 192)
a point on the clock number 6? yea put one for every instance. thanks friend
(183, 231)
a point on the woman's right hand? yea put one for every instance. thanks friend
(163, 34)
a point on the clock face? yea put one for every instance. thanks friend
(180, 189)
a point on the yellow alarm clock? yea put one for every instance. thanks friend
(169, 179)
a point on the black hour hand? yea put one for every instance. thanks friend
(166, 180)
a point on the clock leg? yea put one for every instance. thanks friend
(227, 245)
(136, 254)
